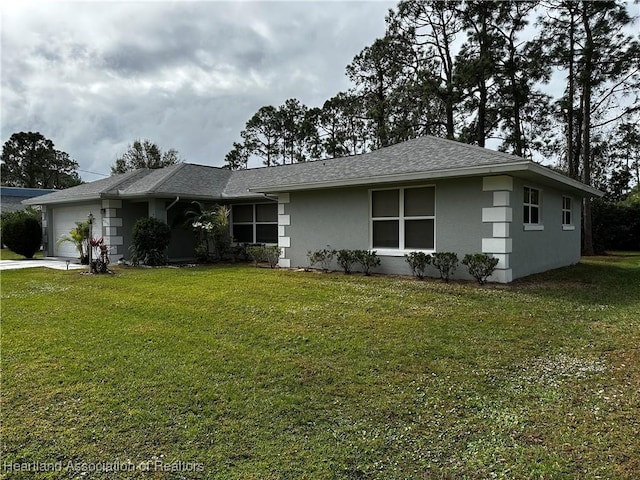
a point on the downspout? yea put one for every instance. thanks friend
(172, 204)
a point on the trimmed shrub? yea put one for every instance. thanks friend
(256, 253)
(150, 242)
(346, 259)
(480, 266)
(261, 253)
(21, 232)
(272, 255)
(418, 262)
(446, 263)
(323, 257)
(367, 259)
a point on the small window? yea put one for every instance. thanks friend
(531, 212)
(566, 211)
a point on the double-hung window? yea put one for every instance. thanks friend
(566, 214)
(532, 207)
(403, 218)
(255, 223)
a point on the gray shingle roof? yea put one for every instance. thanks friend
(417, 158)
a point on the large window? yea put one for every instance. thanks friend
(531, 213)
(255, 223)
(403, 218)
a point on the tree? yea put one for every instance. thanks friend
(237, 158)
(144, 154)
(21, 232)
(30, 160)
(262, 135)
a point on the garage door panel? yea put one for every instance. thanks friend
(64, 220)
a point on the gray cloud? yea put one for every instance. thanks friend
(95, 76)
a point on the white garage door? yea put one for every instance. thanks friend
(65, 218)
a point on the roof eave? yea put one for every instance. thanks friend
(495, 169)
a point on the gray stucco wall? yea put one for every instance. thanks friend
(130, 213)
(538, 251)
(340, 218)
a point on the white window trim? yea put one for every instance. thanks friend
(532, 227)
(567, 226)
(400, 252)
(254, 223)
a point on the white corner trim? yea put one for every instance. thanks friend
(502, 276)
(533, 228)
(501, 229)
(284, 242)
(110, 203)
(497, 182)
(497, 245)
(112, 222)
(284, 220)
(568, 228)
(281, 209)
(497, 214)
(284, 263)
(501, 199)
(283, 198)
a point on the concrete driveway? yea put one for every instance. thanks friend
(54, 263)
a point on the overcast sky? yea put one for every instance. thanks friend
(95, 76)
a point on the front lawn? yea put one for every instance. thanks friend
(234, 372)
(6, 254)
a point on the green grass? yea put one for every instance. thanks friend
(6, 254)
(255, 373)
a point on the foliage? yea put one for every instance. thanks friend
(272, 255)
(480, 266)
(31, 160)
(616, 226)
(213, 227)
(79, 236)
(144, 154)
(323, 257)
(346, 259)
(418, 262)
(21, 232)
(370, 377)
(256, 253)
(262, 253)
(100, 258)
(367, 259)
(446, 263)
(150, 242)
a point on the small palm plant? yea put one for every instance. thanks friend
(79, 236)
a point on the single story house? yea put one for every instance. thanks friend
(427, 194)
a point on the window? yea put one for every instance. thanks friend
(531, 214)
(403, 218)
(566, 210)
(255, 223)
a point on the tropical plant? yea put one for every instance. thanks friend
(446, 263)
(150, 242)
(480, 266)
(418, 262)
(100, 257)
(79, 236)
(367, 259)
(213, 227)
(21, 232)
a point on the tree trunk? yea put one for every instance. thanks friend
(586, 127)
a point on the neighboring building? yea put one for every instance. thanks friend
(426, 194)
(11, 197)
